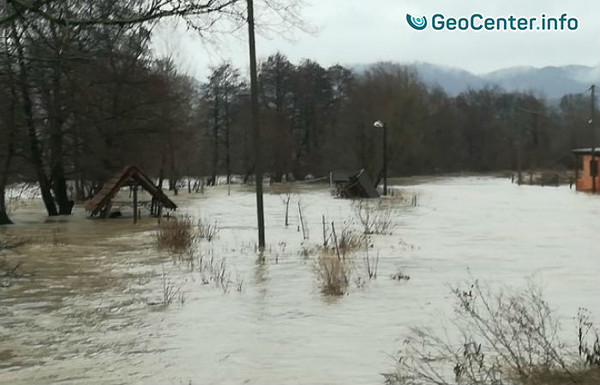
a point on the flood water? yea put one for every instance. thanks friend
(87, 313)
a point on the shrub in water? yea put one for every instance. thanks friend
(177, 234)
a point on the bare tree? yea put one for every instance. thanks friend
(223, 93)
(8, 101)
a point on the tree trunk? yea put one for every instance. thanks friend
(4, 218)
(79, 175)
(57, 172)
(65, 205)
(227, 141)
(174, 177)
(215, 164)
(34, 146)
(10, 150)
(56, 121)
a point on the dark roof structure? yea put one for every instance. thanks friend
(112, 187)
(341, 176)
(357, 185)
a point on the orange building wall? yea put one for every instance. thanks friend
(584, 181)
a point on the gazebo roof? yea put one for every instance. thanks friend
(112, 187)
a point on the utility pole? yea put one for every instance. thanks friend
(520, 144)
(594, 164)
(520, 158)
(256, 128)
(593, 113)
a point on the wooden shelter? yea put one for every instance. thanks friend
(352, 185)
(133, 177)
(586, 169)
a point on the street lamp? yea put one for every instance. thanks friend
(380, 124)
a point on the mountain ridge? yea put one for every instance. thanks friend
(551, 82)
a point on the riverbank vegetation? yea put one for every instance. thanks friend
(499, 337)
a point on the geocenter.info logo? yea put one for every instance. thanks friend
(478, 22)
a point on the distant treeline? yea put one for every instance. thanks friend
(78, 104)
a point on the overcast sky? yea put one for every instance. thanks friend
(367, 31)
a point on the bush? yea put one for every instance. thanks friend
(207, 230)
(344, 242)
(505, 338)
(176, 235)
(375, 216)
(333, 274)
(170, 292)
(350, 240)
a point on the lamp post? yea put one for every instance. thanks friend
(380, 124)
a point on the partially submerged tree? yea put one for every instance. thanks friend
(8, 117)
(222, 94)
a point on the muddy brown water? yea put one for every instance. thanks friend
(87, 314)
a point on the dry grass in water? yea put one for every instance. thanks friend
(309, 251)
(375, 216)
(504, 338)
(333, 274)
(342, 242)
(335, 259)
(350, 240)
(176, 235)
(216, 272)
(400, 276)
(207, 229)
(170, 291)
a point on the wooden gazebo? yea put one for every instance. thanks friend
(132, 176)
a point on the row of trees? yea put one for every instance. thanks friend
(82, 96)
(316, 119)
(76, 105)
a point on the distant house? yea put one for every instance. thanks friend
(586, 169)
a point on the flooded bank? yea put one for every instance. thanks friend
(87, 313)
